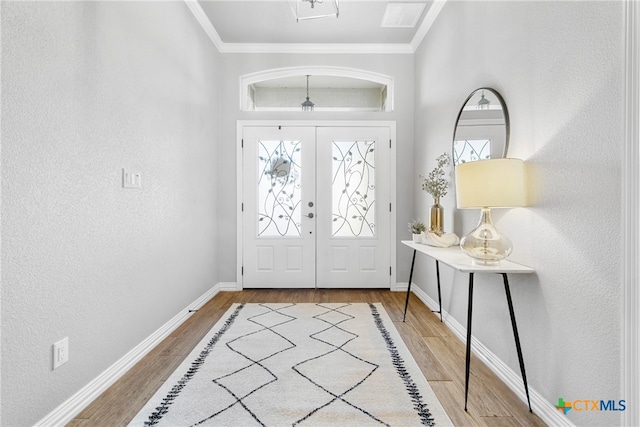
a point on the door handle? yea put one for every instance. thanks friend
(310, 215)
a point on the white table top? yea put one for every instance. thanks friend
(455, 258)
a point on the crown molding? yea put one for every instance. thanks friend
(205, 23)
(426, 24)
(316, 48)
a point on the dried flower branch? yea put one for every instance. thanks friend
(435, 183)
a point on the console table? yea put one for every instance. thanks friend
(458, 260)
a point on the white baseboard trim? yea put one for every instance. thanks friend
(401, 287)
(541, 407)
(64, 413)
(228, 286)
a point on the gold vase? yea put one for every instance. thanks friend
(436, 218)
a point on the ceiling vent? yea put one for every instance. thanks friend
(402, 15)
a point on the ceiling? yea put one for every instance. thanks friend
(270, 25)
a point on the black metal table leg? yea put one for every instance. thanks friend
(466, 383)
(516, 336)
(439, 310)
(406, 303)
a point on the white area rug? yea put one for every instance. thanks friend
(297, 364)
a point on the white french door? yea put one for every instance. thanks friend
(278, 227)
(316, 204)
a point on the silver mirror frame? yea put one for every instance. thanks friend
(505, 113)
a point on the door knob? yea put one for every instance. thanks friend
(310, 215)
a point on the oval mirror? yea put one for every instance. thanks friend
(482, 127)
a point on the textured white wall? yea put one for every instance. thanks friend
(400, 67)
(559, 66)
(89, 88)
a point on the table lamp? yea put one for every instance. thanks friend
(487, 184)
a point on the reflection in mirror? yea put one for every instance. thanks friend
(482, 128)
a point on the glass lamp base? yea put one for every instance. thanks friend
(484, 243)
(485, 263)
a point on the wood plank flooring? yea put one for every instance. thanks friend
(438, 352)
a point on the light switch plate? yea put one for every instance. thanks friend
(60, 352)
(131, 179)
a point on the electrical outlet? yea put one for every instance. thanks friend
(131, 179)
(60, 352)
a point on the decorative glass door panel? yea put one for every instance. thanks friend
(353, 189)
(279, 184)
(470, 150)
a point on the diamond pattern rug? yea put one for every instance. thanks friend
(329, 364)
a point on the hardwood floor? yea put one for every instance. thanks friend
(438, 352)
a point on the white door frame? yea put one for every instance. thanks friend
(240, 124)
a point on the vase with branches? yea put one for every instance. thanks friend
(437, 186)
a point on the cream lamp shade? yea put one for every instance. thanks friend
(495, 183)
(487, 184)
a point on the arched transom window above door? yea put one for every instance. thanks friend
(329, 89)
